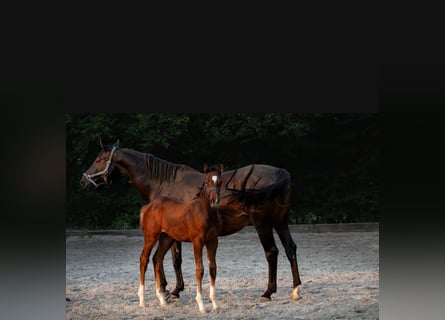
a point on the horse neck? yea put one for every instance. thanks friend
(134, 164)
(205, 200)
(150, 175)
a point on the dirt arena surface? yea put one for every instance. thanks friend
(339, 271)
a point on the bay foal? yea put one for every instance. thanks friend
(168, 219)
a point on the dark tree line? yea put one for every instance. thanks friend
(333, 159)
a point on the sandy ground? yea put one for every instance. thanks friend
(339, 271)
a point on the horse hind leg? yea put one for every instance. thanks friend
(163, 278)
(291, 253)
(143, 262)
(176, 252)
(165, 243)
(265, 234)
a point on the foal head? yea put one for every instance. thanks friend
(212, 183)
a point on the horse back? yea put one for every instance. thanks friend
(155, 211)
(256, 177)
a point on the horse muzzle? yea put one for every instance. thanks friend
(214, 203)
(87, 180)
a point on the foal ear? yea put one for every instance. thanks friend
(117, 143)
(221, 167)
(206, 168)
(101, 144)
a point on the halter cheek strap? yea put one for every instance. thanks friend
(103, 172)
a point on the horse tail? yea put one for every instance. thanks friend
(258, 196)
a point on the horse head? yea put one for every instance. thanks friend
(212, 183)
(101, 168)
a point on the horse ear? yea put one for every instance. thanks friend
(221, 167)
(206, 168)
(101, 144)
(117, 143)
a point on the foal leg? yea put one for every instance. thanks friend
(265, 233)
(165, 243)
(197, 250)
(291, 253)
(143, 262)
(176, 250)
(163, 278)
(212, 245)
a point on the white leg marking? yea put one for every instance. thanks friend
(212, 297)
(160, 297)
(296, 293)
(141, 296)
(200, 303)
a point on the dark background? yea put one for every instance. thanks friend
(333, 159)
(34, 156)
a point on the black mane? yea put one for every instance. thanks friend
(158, 169)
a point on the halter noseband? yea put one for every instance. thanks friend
(213, 188)
(218, 191)
(103, 172)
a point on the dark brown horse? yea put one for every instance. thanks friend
(258, 194)
(195, 221)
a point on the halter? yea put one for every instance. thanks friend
(103, 172)
(213, 188)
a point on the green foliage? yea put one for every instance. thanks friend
(155, 130)
(333, 159)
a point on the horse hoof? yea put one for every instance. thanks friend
(296, 294)
(174, 295)
(264, 299)
(296, 297)
(216, 310)
(167, 295)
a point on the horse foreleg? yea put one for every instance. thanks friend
(291, 253)
(271, 251)
(176, 251)
(211, 256)
(197, 250)
(143, 262)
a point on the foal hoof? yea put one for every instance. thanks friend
(264, 299)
